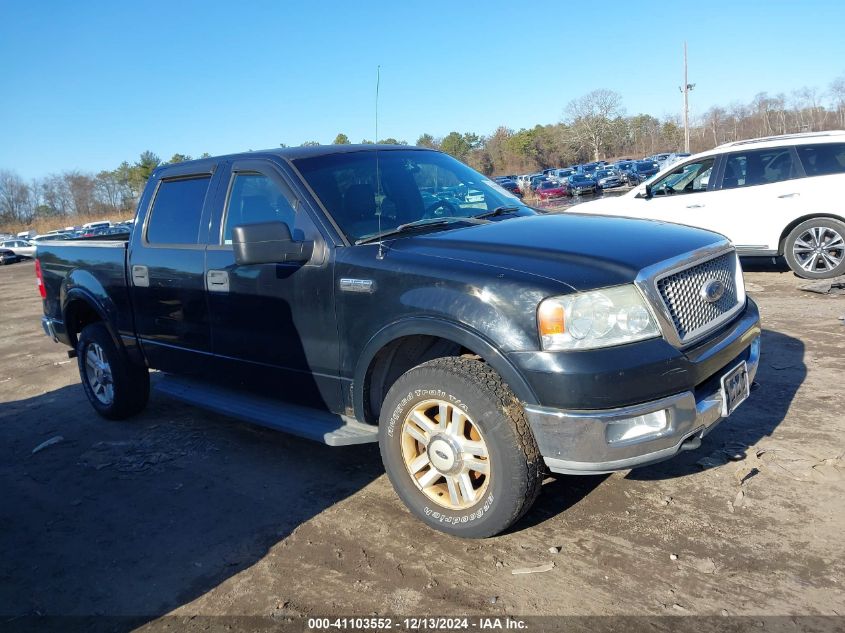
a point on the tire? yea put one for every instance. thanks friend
(815, 249)
(475, 504)
(116, 388)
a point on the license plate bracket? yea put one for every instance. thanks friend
(735, 388)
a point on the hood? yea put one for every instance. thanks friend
(580, 251)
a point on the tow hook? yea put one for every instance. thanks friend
(691, 443)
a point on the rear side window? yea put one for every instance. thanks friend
(759, 167)
(823, 159)
(177, 211)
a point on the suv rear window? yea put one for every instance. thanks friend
(822, 159)
(177, 211)
(758, 167)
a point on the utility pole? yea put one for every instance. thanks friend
(686, 90)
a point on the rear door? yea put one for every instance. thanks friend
(273, 325)
(167, 272)
(759, 194)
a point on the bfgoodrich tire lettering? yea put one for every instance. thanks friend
(495, 446)
(116, 388)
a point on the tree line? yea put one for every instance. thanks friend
(593, 126)
(76, 194)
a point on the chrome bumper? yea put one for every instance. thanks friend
(49, 328)
(574, 442)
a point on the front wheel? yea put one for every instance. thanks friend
(815, 249)
(457, 448)
(115, 387)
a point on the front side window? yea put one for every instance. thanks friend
(822, 159)
(253, 198)
(177, 211)
(758, 167)
(369, 192)
(691, 177)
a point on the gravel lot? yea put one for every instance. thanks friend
(182, 512)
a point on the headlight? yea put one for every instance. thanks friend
(601, 318)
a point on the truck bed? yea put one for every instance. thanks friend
(91, 267)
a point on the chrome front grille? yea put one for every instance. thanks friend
(682, 293)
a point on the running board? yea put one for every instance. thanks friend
(313, 424)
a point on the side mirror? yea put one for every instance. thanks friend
(645, 192)
(268, 243)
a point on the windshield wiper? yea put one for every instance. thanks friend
(421, 223)
(497, 211)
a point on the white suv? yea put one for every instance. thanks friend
(780, 195)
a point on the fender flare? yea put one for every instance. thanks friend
(79, 294)
(450, 330)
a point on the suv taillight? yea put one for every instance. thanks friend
(40, 280)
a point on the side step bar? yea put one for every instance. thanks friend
(313, 424)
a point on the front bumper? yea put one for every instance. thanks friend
(574, 441)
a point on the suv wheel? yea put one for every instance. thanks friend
(815, 249)
(115, 387)
(457, 448)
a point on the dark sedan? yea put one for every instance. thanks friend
(642, 170)
(581, 183)
(510, 185)
(608, 178)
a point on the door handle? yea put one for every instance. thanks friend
(217, 281)
(790, 195)
(695, 206)
(141, 276)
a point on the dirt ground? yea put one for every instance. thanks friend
(182, 512)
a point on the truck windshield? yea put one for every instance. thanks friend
(369, 192)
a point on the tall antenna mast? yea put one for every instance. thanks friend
(686, 90)
(379, 197)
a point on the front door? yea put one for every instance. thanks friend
(682, 196)
(167, 272)
(273, 325)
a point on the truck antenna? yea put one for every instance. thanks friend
(380, 253)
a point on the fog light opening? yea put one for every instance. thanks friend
(638, 428)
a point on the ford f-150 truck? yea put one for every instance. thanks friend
(379, 293)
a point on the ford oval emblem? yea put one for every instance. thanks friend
(712, 290)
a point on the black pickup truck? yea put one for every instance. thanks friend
(380, 293)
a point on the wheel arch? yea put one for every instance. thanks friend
(407, 343)
(796, 222)
(80, 309)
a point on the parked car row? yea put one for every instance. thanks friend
(626, 171)
(773, 196)
(23, 246)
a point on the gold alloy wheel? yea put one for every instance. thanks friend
(445, 454)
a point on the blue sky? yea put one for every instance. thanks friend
(86, 85)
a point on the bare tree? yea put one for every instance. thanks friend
(16, 199)
(591, 118)
(837, 95)
(81, 187)
(55, 195)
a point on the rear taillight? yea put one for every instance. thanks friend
(40, 280)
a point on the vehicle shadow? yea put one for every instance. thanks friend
(763, 264)
(139, 517)
(780, 374)
(559, 494)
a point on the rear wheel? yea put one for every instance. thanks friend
(115, 387)
(457, 448)
(815, 249)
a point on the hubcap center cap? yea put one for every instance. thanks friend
(443, 455)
